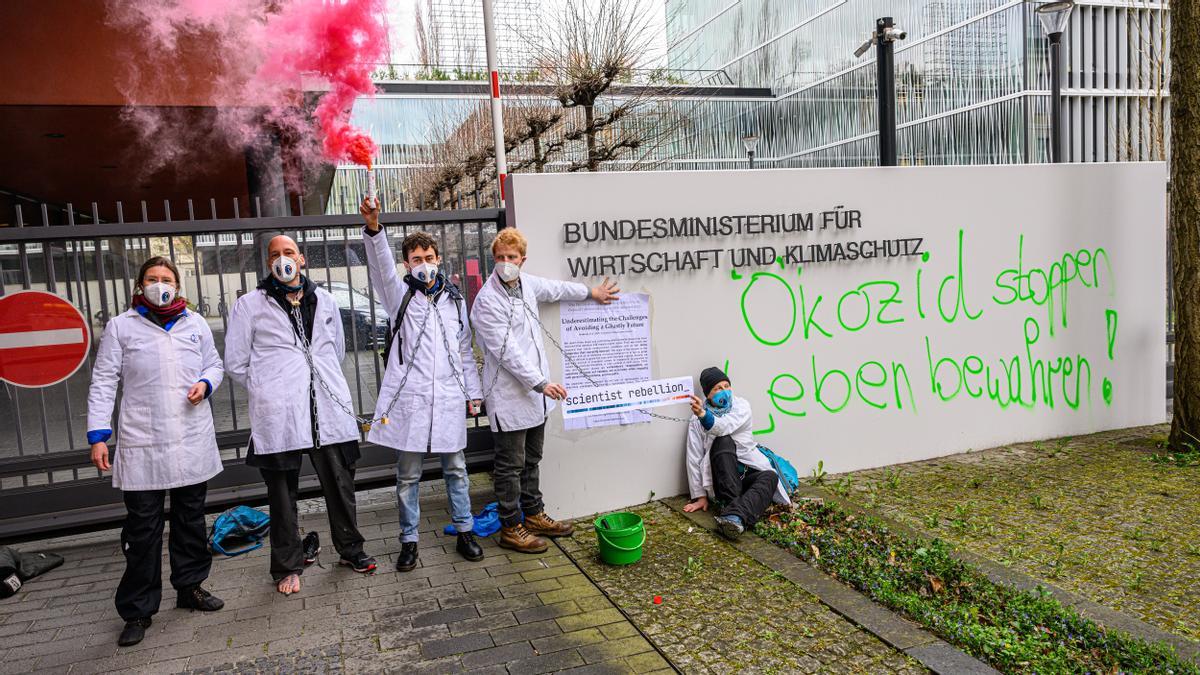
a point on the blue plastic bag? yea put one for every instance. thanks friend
(241, 529)
(783, 468)
(487, 522)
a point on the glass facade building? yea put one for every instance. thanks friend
(679, 127)
(972, 79)
(456, 28)
(972, 87)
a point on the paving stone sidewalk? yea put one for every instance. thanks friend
(722, 611)
(1091, 514)
(509, 613)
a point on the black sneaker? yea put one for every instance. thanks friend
(312, 548)
(468, 548)
(730, 526)
(198, 599)
(407, 560)
(133, 632)
(361, 563)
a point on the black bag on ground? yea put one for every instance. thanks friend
(16, 568)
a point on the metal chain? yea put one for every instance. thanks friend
(387, 412)
(298, 320)
(364, 422)
(503, 349)
(316, 412)
(314, 374)
(455, 370)
(584, 373)
(487, 391)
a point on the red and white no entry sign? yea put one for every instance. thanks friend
(43, 339)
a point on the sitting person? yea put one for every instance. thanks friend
(724, 461)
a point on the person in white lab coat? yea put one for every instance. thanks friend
(274, 331)
(164, 357)
(724, 461)
(518, 392)
(429, 352)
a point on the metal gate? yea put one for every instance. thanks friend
(47, 482)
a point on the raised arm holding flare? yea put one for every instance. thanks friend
(430, 381)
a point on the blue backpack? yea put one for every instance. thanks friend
(241, 529)
(783, 468)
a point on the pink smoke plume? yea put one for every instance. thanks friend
(269, 54)
(339, 42)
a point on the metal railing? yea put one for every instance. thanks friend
(477, 72)
(46, 479)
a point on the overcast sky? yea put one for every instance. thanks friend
(401, 13)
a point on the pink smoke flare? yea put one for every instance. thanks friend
(269, 53)
(338, 42)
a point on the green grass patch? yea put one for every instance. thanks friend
(1015, 631)
(1190, 458)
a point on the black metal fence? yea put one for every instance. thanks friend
(46, 479)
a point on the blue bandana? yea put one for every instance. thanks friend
(290, 289)
(721, 411)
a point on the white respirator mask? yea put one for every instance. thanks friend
(159, 294)
(508, 271)
(425, 272)
(285, 269)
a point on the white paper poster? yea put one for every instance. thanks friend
(610, 344)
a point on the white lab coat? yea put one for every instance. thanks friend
(512, 403)
(163, 441)
(738, 424)
(430, 413)
(263, 354)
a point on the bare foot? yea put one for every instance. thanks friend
(289, 584)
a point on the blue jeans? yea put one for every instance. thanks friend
(408, 483)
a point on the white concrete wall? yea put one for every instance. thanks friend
(1068, 214)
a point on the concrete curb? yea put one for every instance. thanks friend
(1104, 616)
(901, 634)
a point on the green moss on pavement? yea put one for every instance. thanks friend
(724, 612)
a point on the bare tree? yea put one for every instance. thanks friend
(460, 159)
(577, 109)
(1185, 220)
(447, 167)
(536, 119)
(426, 33)
(588, 48)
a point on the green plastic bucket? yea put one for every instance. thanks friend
(621, 536)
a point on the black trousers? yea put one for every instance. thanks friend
(515, 473)
(745, 496)
(337, 485)
(140, 590)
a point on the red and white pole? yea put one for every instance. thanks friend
(489, 36)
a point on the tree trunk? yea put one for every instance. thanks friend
(589, 118)
(539, 164)
(1185, 220)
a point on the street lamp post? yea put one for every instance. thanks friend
(750, 142)
(1054, 17)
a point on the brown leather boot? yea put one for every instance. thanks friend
(519, 539)
(546, 526)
